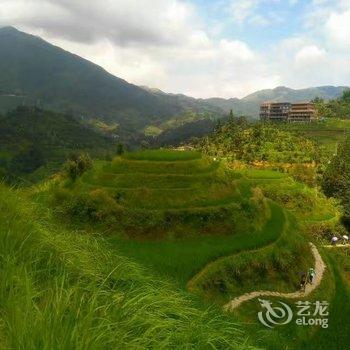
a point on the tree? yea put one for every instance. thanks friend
(336, 179)
(231, 115)
(120, 149)
(346, 96)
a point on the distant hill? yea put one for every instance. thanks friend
(249, 105)
(283, 93)
(33, 71)
(186, 132)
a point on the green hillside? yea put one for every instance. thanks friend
(152, 190)
(142, 252)
(176, 212)
(63, 290)
(55, 79)
(34, 142)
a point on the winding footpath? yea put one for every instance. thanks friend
(320, 267)
(337, 246)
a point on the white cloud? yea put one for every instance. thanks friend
(165, 44)
(254, 12)
(338, 30)
(242, 9)
(309, 55)
(132, 22)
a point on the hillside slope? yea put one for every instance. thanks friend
(34, 71)
(31, 138)
(62, 290)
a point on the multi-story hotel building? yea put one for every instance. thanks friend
(289, 112)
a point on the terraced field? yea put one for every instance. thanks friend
(178, 212)
(154, 184)
(180, 260)
(169, 193)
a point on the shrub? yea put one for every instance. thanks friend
(77, 165)
(94, 207)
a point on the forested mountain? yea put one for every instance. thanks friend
(33, 71)
(249, 105)
(31, 138)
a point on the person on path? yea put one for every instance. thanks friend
(303, 281)
(334, 240)
(345, 239)
(311, 275)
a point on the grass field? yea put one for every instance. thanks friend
(337, 335)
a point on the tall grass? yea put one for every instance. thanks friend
(337, 335)
(62, 290)
(335, 290)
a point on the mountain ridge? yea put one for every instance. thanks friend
(35, 72)
(249, 104)
(59, 80)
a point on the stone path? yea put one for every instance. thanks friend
(320, 267)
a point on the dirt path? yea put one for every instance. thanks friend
(337, 246)
(320, 267)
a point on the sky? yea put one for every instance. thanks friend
(201, 48)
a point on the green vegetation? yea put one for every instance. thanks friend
(163, 155)
(335, 108)
(239, 140)
(77, 165)
(262, 249)
(291, 336)
(152, 131)
(336, 180)
(277, 265)
(129, 253)
(327, 134)
(337, 334)
(180, 260)
(111, 253)
(161, 194)
(62, 290)
(32, 140)
(105, 127)
(334, 289)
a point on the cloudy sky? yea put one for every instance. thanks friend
(202, 48)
